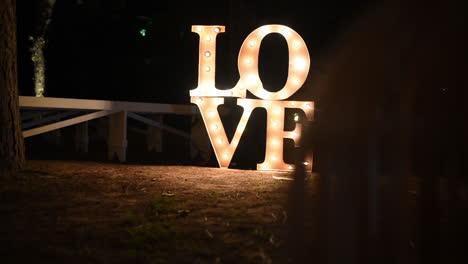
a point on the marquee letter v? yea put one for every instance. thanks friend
(223, 149)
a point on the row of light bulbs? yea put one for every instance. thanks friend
(208, 97)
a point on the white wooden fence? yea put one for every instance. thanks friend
(44, 114)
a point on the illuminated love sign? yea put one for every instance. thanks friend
(207, 97)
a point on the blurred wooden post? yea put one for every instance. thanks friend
(154, 135)
(81, 137)
(117, 137)
(200, 146)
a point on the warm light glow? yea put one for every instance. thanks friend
(298, 69)
(248, 62)
(296, 117)
(221, 146)
(206, 64)
(275, 133)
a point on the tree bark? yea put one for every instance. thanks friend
(12, 156)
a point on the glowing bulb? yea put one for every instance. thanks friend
(275, 142)
(308, 106)
(199, 100)
(286, 32)
(215, 127)
(211, 113)
(274, 157)
(295, 134)
(296, 117)
(252, 79)
(217, 29)
(252, 44)
(290, 167)
(220, 141)
(297, 44)
(305, 163)
(208, 38)
(225, 155)
(199, 29)
(275, 124)
(235, 142)
(207, 68)
(299, 63)
(277, 111)
(263, 31)
(207, 53)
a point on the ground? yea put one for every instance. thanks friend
(90, 212)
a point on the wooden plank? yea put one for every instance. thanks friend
(151, 122)
(85, 104)
(65, 123)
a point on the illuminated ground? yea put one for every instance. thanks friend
(86, 212)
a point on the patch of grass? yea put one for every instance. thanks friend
(149, 242)
(162, 204)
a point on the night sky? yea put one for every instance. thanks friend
(95, 50)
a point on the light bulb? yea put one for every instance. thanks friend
(208, 38)
(207, 68)
(216, 29)
(207, 53)
(297, 44)
(296, 117)
(305, 163)
(299, 63)
(199, 100)
(308, 106)
(290, 167)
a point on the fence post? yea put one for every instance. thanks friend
(154, 135)
(117, 136)
(81, 137)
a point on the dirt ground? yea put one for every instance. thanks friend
(89, 212)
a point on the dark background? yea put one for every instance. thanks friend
(94, 49)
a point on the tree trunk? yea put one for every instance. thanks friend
(11, 139)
